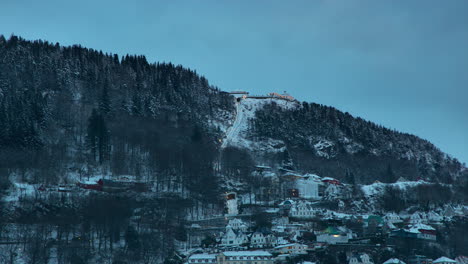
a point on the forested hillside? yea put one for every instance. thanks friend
(329, 142)
(65, 108)
(73, 108)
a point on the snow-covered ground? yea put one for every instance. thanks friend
(378, 187)
(236, 135)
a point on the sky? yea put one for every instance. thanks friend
(401, 63)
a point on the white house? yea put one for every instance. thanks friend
(293, 249)
(271, 240)
(418, 217)
(308, 187)
(237, 224)
(233, 238)
(302, 209)
(281, 241)
(392, 218)
(360, 258)
(258, 240)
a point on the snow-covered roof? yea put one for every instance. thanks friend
(394, 261)
(328, 179)
(288, 245)
(416, 227)
(257, 253)
(203, 256)
(444, 260)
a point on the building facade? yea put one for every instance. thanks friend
(244, 257)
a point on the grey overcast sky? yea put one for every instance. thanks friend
(399, 63)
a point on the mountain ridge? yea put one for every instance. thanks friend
(38, 79)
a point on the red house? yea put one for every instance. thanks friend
(331, 180)
(91, 186)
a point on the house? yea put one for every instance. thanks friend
(360, 258)
(420, 231)
(245, 257)
(434, 217)
(271, 240)
(89, 185)
(444, 260)
(394, 261)
(308, 187)
(392, 218)
(334, 235)
(233, 238)
(231, 203)
(419, 259)
(292, 249)
(423, 231)
(281, 241)
(258, 240)
(418, 217)
(303, 209)
(237, 224)
(202, 258)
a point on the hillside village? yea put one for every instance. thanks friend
(150, 163)
(302, 228)
(294, 218)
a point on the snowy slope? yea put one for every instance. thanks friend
(236, 135)
(378, 187)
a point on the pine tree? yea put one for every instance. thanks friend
(98, 137)
(104, 101)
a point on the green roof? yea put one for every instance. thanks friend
(332, 230)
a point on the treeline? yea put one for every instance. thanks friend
(98, 228)
(370, 151)
(426, 196)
